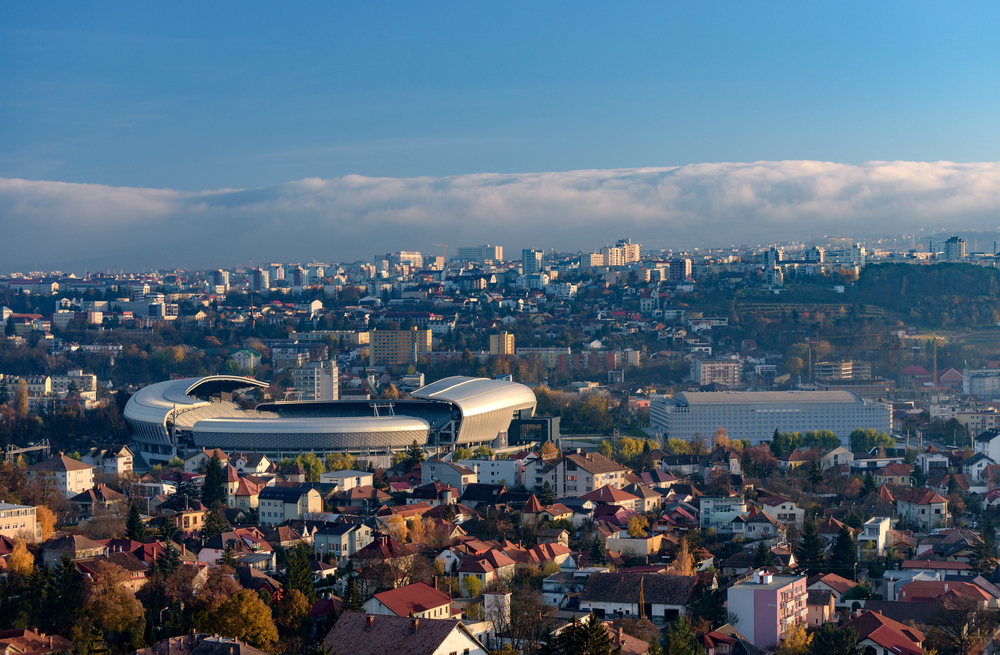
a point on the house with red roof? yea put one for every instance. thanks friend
(925, 591)
(491, 567)
(419, 600)
(611, 495)
(884, 635)
(835, 584)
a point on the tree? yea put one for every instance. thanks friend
(919, 477)
(964, 625)
(47, 520)
(299, 572)
(169, 560)
(796, 641)
(549, 449)
(810, 552)
(637, 525)
(815, 473)
(844, 556)
(414, 455)
(684, 561)
(20, 563)
(244, 616)
(396, 527)
(352, 597)
(229, 557)
(869, 485)
(592, 638)
(829, 640)
(4, 395)
(111, 605)
(548, 495)
(681, 640)
(214, 488)
(598, 552)
(135, 529)
(473, 586)
(215, 523)
(762, 555)
(605, 449)
(982, 561)
(292, 610)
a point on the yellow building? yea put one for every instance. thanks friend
(387, 347)
(502, 344)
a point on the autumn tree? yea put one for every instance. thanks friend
(637, 525)
(473, 586)
(964, 625)
(20, 563)
(684, 561)
(244, 616)
(396, 527)
(795, 641)
(112, 606)
(292, 610)
(417, 529)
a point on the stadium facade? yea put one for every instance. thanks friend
(696, 416)
(171, 418)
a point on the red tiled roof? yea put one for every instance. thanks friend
(837, 583)
(416, 598)
(891, 635)
(921, 497)
(532, 506)
(608, 494)
(933, 564)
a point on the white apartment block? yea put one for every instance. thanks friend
(756, 415)
(86, 384)
(66, 475)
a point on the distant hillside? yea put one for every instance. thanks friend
(945, 295)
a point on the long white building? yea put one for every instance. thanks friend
(756, 415)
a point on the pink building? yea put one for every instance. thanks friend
(768, 605)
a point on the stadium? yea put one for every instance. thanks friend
(168, 419)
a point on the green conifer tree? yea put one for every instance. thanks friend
(844, 557)
(810, 551)
(135, 529)
(681, 640)
(352, 597)
(598, 552)
(414, 455)
(214, 488)
(548, 496)
(169, 560)
(762, 555)
(298, 572)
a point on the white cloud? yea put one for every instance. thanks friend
(57, 224)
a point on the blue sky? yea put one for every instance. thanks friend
(130, 131)
(196, 96)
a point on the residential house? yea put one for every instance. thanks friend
(63, 474)
(342, 540)
(280, 504)
(113, 459)
(718, 512)
(974, 467)
(253, 463)
(193, 463)
(900, 475)
(835, 584)
(647, 499)
(74, 546)
(617, 595)
(759, 525)
(767, 606)
(481, 493)
(419, 600)
(783, 509)
(681, 465)
(925, 591)
(639, 546)
(100, 498)
(923, 509)
(361, 634)
(940, 567)
(453, 475)
(835, 458)
(491, 568)
(874, 534)
(27, 642)
(136, 573)
(611, 495)
(434, 494)
(819, 608)
(348, 479)
(577, 474)
(878, 633)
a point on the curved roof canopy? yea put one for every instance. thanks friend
(487, 406)
(153, 403)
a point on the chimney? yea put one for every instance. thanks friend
(369, 622)
(414, 623)
(435, 582)
(184, 550)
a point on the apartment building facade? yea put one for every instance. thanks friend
(397, 347)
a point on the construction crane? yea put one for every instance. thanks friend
(445, 253)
